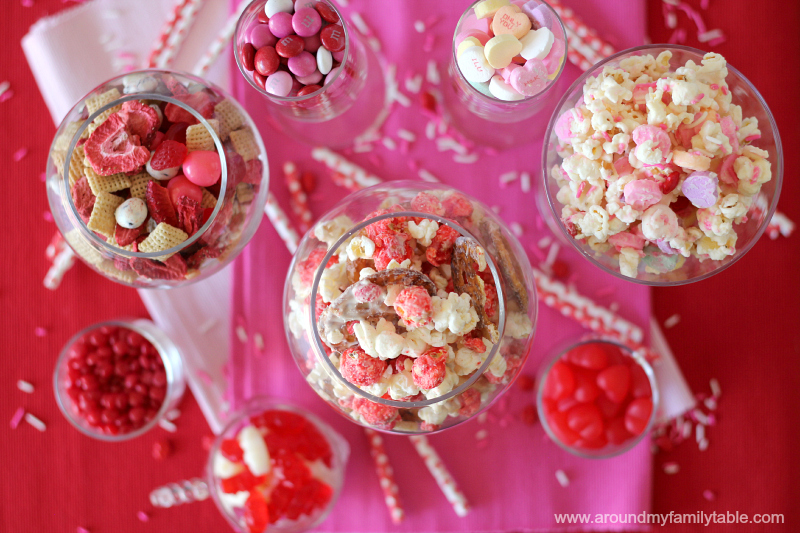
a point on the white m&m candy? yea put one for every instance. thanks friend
(131, 213)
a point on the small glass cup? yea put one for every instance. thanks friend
(658, 268)
(328, 116)
(236, 200)
(473, 382)
(589, 400)
(173, 367)
(487, 120)
(230, 505)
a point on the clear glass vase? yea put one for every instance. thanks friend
(328, 116)
(489, 121)
(191, 241)
(458, 252)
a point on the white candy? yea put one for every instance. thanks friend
(500, 89)
(131, 213)
(273, 7)
(474, 66)
(324, 60)
(255, 453)
(482, 87)
(166, 174)
(160, 114)
(223, 468)
(139, 83)
(537, 44)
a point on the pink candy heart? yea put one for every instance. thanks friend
(530, 79)
(641, 194)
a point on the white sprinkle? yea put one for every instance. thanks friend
(700, 416)
(552, 254)
(414, 84)
(362, 147)
(432, 73)
(259, 341)
(241, 333)
(207, 325)
(430, 130)
(482, 417)
(167, 425)
(544, 242)
(389, 143)
(467, 159)
(358, 22)
(672, 321)
(401, 99)
(715, 388)
(419, 26)
(671, 468)
(703, 445)
(406, 135)
(427, 176)
(525, 182)
(709, 35)
(24, 386)
(482, 434)
(448, 143)
(516, 229)
(172, 414)
(508, 177)
(686, 429)
(710, 403)
(614, 306)
(672, 20)
(344, 3)
(441, 127)
(562, 478)
(700, 432)
(35, 422)
(4, 87)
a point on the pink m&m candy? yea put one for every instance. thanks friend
(281, 25)
(279, 84)
(202, 168)
(303, 64)
(306, 22)
(312, 79)
(261, 36)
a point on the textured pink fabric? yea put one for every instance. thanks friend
(510, 482)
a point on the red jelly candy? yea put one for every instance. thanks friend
(616, 433)
(597, 443)
(640, 384)
(256, 513)
(586, 389)
(590, 355)
(615, 381)
(637, 415)
(557, 422)
(559, 383)
(525, 383)
(586, 420)
(609, 408)
(231, 450)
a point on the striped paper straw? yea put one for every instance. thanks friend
(385, 476)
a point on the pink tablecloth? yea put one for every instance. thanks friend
(510, 483)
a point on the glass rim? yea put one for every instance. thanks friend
(560, 351)
(340, 449)
(512, 103)
(79, 223)
(293, 99)
(65, 402)
(777, 175)
(334, 373)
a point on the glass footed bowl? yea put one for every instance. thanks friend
(294, 438)
(471, 361)
(660, 266)
(200, 239)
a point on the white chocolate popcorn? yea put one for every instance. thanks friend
(360, 247)
(333, 280)
(518, 325)
(380, 341)
(424, 232)
(454, 313)
(330, 232)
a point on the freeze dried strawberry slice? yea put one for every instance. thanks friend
(139, 118)
(190, 214)
(159, 205)
(112, 149)
(200, 102)
(172, 269)
(206, 252)
(177, 132)
(125, 236)
(83, 198)
(169, 154)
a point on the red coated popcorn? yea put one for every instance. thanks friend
(413, 305)
(382, 416)
(360, 369)
(429, 368)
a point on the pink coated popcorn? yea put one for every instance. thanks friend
(626, 239)
(470, 401)
(391, 246)
(659, 145)
(474, 344)
(456, 205)
(427, 203)
(375, 414)
(623, 166)
(367, 292)
(429, 368)
(360, 369)
(413, 305)
(642, 193)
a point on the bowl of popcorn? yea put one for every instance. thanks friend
(277, 468)
(662, 165)
(157, 179)
(410, 307)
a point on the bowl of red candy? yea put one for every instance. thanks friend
(597, 398)
(116, 380)
(276, 468)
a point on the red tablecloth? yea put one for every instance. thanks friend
(740, 327)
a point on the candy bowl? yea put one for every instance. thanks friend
(116, 380)
(311, 69)
(395, 340)
(276, 468)
(597, 398)
(505, 66)
(157, 179)
(668, 179)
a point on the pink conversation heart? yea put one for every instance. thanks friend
(553, 59)
(701, 188)
(626, 239)
(506, 72)
(530, 79)
(641, 194)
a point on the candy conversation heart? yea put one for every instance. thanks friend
(474, 65)
(501, 49)
(529, 79)
(508, 20)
